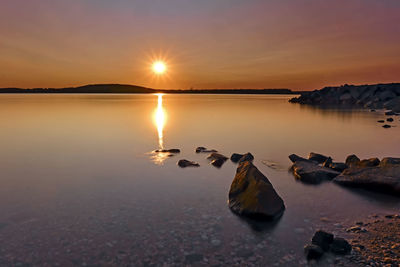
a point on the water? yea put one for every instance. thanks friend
(79, 184)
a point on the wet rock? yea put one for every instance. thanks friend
(313, 251)
(386, 126)
(310, 172)
(251, 194)
(338, 166)
(202, 149)
(173, 150)
(352, 160)
(215, 155)
(218, 162)
(317, 157)
(327, 162)
(183, 163)
(381, 121)
(322, 239)
(294, 158)
(246, 157)
(340, 246)
(369, 162)
(236, 157)
(384, 177)
(389, 119)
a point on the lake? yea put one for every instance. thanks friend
(80, 186)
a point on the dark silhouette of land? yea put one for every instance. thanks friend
(134, 89)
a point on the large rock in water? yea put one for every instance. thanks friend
(312, 173)
(385, 177)
(252, 195)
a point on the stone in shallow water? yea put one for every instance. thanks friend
(385, 177)
(322, 239)
(310, 172)
(202, 149)
(236, 157)
(246, 157)
(251, 194)
(214, 155)
(313, 251)
(217, 162)
(183, 163)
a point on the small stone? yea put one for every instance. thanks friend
(313, 251)
(386, 126)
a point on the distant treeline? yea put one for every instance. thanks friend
(133, 89)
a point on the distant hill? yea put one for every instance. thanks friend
(134, 89)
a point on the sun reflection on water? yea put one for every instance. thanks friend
(159, 118)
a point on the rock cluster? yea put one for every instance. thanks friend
(373, 174)
(323, 242)
(369, 96)
(378, 175)
(316, 169)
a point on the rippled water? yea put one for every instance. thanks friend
(79, 184)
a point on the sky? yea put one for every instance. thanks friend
(297, 44)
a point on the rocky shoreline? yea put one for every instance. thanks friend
(378, 96)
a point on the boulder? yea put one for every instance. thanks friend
(310, 172)
(317, 157)
(183, 163)
(389, 119)
(340, 246)
(313, 252)
(246, 157)
(202, 149)
(251, 194)
(322, 239)
(385, 177)
(352, 160)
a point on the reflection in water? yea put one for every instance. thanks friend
(159, 120)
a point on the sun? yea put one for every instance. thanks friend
(159, 67)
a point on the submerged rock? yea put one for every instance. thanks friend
(310, 172)
(384, 177)
(183, 163)
(386, 126)
(202, 149)
(381, 121)
(251, 194)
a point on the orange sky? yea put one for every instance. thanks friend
(298, 44)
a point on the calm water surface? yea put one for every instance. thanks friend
(80, 186)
